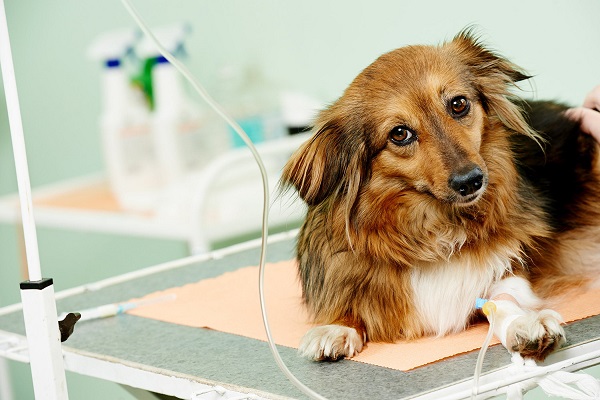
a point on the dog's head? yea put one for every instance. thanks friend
(416, 119)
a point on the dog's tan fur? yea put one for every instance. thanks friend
(380, 214)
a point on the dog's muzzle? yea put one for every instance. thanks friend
(467, 185)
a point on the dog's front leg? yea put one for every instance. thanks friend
(520, 324)
(333, 341)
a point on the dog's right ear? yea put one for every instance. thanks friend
(332, 163)
(494, 77)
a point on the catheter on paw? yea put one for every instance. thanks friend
(530, 333)
(535, 334)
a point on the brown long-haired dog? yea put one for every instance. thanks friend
(429, 185)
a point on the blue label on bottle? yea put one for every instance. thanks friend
(253, 126)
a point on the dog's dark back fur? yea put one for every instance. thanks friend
(563, 173)
(560, 169)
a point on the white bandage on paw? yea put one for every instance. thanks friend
(506, 313)
(520, 324)
(533, 334)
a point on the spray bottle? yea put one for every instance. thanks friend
(252, 101)
(181, 131)
(125, 126)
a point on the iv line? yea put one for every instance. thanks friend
(265, 183)
(489, 309)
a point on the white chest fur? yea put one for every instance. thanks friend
(445, 293)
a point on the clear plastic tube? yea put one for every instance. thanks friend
(265, 182)
(489, 309)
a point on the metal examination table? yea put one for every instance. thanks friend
(193, 363)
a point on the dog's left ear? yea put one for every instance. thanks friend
(494, 77)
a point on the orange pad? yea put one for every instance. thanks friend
(230, 303)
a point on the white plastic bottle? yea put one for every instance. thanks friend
(182, 132)
(177, 124)
(125, 127)
(252, 101)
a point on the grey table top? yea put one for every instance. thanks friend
(247, 363)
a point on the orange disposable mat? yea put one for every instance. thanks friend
(230, 303)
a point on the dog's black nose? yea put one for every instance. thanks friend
(468, 183)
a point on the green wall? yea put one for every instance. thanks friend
(312, 46)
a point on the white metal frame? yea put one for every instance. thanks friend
(194, 230)
(493, 383)
(199, 238)
(16, 347)
(39, 307)
(149, 379)
(6, 392)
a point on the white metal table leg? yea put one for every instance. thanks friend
(6, 392)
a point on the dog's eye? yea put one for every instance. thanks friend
(402, 136)
(459, 106)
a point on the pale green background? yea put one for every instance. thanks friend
(312, 46)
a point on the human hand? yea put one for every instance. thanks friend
(588, 115)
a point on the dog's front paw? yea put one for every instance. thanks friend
(330, 342)
(535, 334)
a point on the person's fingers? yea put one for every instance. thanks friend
(592, 100)
(589, 120)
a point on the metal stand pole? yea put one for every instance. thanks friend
(43, 340)
(37, 294)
